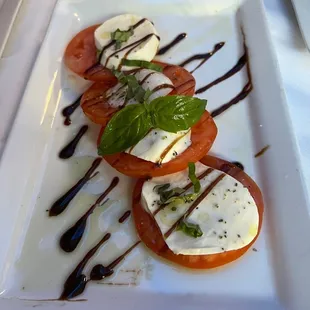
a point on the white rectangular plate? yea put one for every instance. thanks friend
(302, 9)
(33, 269)
(8, 12)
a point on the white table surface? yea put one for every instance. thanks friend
(294, 59)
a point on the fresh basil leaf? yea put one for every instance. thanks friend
(177, 200)
(166, 195)
(176, 113)
(125, 129)
(193, 178)
(190, 229)
(142, 64)
(161, 188)
(121, 36)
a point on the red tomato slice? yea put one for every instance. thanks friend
(80, 57)
(202, 135)
(95, 106)
(151, 236)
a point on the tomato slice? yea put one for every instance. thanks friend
(202, 135)
(95, 106)
(151, 235)
(182, 80)
(80, 57)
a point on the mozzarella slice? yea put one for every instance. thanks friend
(160, 146)
(142, 45)
(228, 216)
(148, 79)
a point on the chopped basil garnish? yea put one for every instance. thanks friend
(161, 188)
(134, 90)
(190, 229)
(121, 36)
(142, 64)
(178, 200)
(193, 178)
(129, 125)
(167, 195)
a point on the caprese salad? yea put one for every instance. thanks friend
(195, 210)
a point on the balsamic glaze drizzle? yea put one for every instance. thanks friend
(200, 198)
(68, 111)
(69, 149)
(239, 165)
(203, 57)
(170, 45)
(72, 237)
(236, 68)
(76, 282)
(96, 271)
(62, 203)
(243, 94)
(124, 217)
(262, 151)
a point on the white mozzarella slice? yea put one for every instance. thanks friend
(160, 146)
(157, 82)
(149, 79)
(137, 47)
(228, 216)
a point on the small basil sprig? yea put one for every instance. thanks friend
(193, 178)
(134, 89)
(129, 125)
(142, 64)
(161, 188)
(179, 200)
(121, 36)
(190, 229)
(165, 195)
